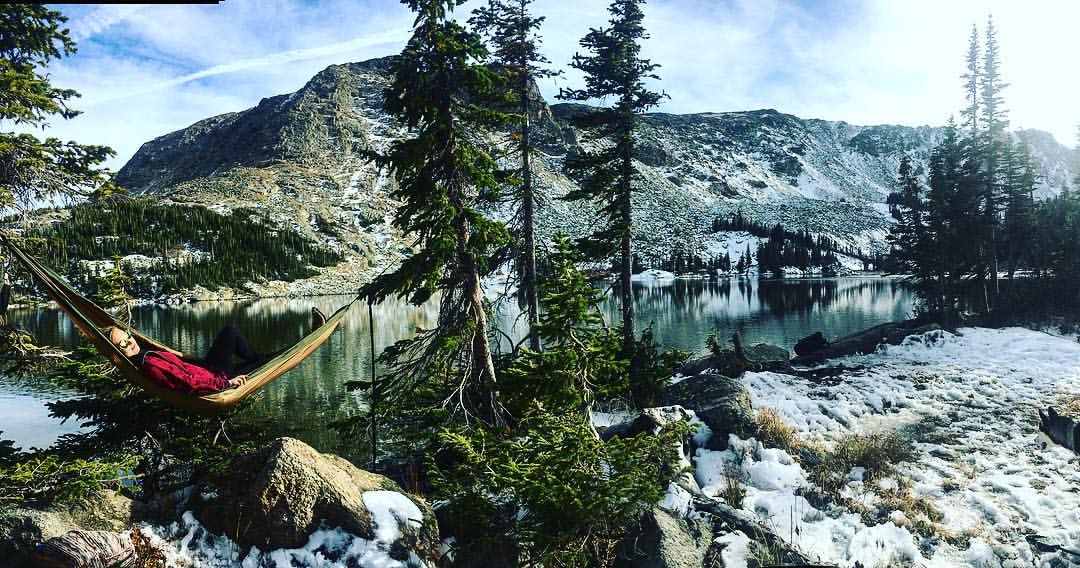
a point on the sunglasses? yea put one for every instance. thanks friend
(125, 342)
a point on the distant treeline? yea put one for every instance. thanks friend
(800, 250)
(737, 222)
(779, 248)
(238, 247)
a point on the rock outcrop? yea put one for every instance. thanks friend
(1062, 425)
(811, 343)
(22, 528)
(721, 402)
(298, 159)
(276, 497)
(662, 540)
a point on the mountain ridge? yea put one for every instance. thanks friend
(300, 157)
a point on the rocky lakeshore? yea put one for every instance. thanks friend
(925, 452)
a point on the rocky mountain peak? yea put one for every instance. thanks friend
(298, 157)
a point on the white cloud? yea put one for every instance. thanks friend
(148, 70)
(101, 19)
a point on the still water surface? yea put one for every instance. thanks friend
(303, 402)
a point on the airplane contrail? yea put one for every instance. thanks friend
(382, 38)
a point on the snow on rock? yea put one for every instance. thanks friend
(969, 403)
(606, 419)
(736, 545)
(884, 545)
(653, 274)
(187, 544)
(732, 243)
(389, 510)
(677, 501)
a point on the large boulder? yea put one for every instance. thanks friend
(1062, 424)
(811, 343)
(277, 496)
(721, 402)
(662, 540)
(22, 528)
(765, 357)
(90, 549)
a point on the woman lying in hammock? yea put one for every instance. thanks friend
(215, 372)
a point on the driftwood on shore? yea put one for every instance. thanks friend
(866, 341)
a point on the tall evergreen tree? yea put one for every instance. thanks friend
(512, 32)
(1076, 161)
(442, 173)
(1020, 177)
(972, 80)
(909, 239)
(31, 169)
(994, 123)
(613, 68)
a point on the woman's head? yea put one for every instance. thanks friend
(122, 339)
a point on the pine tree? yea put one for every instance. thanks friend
(512, 31)
(546, 486)
(994, 123)
(952, 222)
(1021, 178)
(442, 91)
(1076, 161)
(111, 287)
(972, 80)
(908, 237)
(31, 169)
(613, 69)
(581, 361)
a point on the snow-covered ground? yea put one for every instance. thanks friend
(969, 402)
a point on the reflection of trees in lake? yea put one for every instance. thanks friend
(683, 313)
(312, 394)
(784, 296)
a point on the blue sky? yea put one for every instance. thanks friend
(147, 70)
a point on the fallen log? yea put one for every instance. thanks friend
(866, 341)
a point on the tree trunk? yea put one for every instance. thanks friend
(528, 276)
(483, 366)
(626, 253)
(991, 218)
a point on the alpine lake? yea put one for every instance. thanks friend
(305, 401)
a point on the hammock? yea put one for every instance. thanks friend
(91, 319)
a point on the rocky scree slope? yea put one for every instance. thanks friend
(299, 157)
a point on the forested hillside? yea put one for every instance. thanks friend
(167, 248)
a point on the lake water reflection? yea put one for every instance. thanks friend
(303, 402)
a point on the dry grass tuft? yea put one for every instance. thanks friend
(1069, 407)
(829, 470)
(773, 432)
(922, 515)
(733, 492)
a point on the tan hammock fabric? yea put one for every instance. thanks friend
(91, 319)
